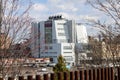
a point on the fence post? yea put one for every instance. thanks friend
(21, 78)
(98, 74)
(1, 78)
(10, 78)
(102, 74)
(82, 75)
(52, 76)
(45, 77)
(76, 75)
(29, 77)
(90, 75)
(38, 77)
(71, 76)
(118, 73)
(94, 74)
(112, 73)
(109, 74)
(106, 73)
(86, 74)
(66, 76)
(59, 76)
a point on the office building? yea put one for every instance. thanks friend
(57, 36)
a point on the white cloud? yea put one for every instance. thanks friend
(87, 17)
(67, 7)
(77, 17)
(63, 5)
(54, 1)
(70, 9)
(39, 7)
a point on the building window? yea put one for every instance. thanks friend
(48, 32)
(61, 34)
(60, 28)
(68, 58)
(53, 52)
(67, 52)
(67, 47)
(46, 47)
(62, 40)
(61, 23)
(46, 52)
(54, 40)
(50, 47)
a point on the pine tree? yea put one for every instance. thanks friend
(60, 66)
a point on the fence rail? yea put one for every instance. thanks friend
(90, 74)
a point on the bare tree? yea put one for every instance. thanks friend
(109, 29)
(14, 30)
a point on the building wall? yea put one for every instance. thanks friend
(34, 40)
(81, 34)
(68, 52)
(61, 31)
(72, 31)
(51, 51)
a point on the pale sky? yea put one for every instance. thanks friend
(78, 10)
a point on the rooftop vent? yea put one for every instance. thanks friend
(55, 17)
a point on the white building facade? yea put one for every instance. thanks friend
(57, 36)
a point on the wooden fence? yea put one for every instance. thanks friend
(90, 74)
